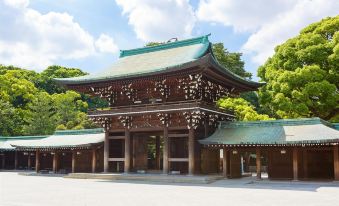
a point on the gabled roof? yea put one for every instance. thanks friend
(159, 59)
(6, 142)
(274, 132)
(61, 139)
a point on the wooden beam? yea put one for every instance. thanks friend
(165, 157)
(191, 151)
(177, 135)
(295, 163)
(74, 153)
(106, 151)
(37, 161)
(224, 162)
(178, 159)
(94, 160)
(336, 162)
(127, 164)
(116, 137)
(116, 159)
(258, 163)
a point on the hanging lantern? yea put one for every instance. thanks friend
(283, 151)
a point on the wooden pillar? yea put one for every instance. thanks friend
(224, 162)
(94, 160)
(15, 160)
(55, 162)
(336, 162)
(258, 163)
(295, 163)
(37, 161)
(305, 163)
(74, 153)
(106, 151)
(157, 152)
(29, 161)
(3, 160)
(127, 151)
(206, 127)
(165, 157)
(191, 151)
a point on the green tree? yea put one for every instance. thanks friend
(9, 119)
(243, 110)
(50, 86)
(230, 60)
(153, 44)
(71, 111)
(303, 75)
(41, 120)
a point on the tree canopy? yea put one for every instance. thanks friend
(303, 75)
(32, 104)
(230, 60)
(242, 109)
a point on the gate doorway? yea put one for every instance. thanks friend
(147, 150)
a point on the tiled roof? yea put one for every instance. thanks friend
(274, 132)
(157, 59)
(60, 139)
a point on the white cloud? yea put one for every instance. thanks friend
(269, 23)
(287, 25)
(242, 15)
(34, 40)
(159, 20)
(106, 44)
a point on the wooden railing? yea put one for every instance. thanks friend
(148, 108)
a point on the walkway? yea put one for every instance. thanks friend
(55, 191)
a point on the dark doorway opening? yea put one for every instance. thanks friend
(147, 152)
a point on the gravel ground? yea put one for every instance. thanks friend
(49, 191)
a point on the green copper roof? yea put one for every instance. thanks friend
(156, 59)
(274, 132)
(5, 142)
(60, 138)
(62, 141)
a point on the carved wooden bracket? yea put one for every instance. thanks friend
(129, 91)
(162, 87)
(193, 118)
(164, 118)
(192, 86)
(126, 121)
(214, 91)
(104, 122)
(105, 92)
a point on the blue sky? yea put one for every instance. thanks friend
(89, 34)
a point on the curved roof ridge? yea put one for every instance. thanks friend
(170, 45)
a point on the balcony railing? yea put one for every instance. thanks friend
(158, 107)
